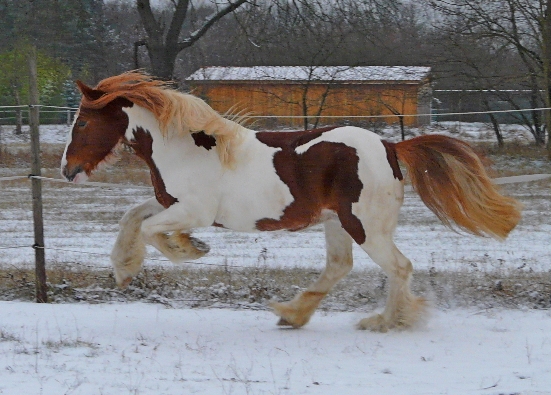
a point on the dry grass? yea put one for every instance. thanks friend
(517, 159)
(254, 287)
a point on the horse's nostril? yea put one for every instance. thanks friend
(71, 174)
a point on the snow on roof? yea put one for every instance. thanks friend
(306, 73)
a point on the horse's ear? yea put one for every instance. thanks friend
(89, 93)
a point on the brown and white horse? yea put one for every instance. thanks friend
(210, 171)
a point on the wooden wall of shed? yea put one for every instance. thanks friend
(276, 99)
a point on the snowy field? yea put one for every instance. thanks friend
(80, 220)
(81, 224)
(139, 348)
(148, 349)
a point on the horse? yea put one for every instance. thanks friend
(209, 170)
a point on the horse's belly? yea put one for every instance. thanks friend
(243, 209)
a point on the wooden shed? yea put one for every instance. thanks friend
(288, 94)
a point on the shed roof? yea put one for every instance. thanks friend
(368, 74)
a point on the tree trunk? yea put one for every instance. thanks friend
(162, 42)
(495, 124)
(546, 43)
(305, 107)
(18, 113)
(162, 61)
(497, 130)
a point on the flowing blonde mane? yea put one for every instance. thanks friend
(184, 112)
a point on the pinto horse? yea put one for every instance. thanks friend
(207, 170)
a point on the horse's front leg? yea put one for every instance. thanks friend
(129, 250)
(178, 246)
(298, 311)
(168, 232)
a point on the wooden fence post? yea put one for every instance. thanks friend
(34, 122)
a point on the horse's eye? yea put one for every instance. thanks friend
(81, 124)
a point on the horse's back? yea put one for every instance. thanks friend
(287, 180)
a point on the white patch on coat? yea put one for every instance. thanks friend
(252, 190)
(69, 139)
(206, 191)
(380, 202)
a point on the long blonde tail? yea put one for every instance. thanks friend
(451, 180)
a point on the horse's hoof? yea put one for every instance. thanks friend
(408, 315)
(289, 315)
(124, 283)
(181, 247)
(374, 323)
(199, 245)
(284, 322)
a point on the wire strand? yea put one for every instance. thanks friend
(353, 116)
(106, 254)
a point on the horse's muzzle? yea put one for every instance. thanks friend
(70, 174)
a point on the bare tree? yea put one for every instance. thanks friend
(311, 92)
(520, 27)
(164, 42)
(303, 33)
(394, 102)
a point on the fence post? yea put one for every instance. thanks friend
(34, 122)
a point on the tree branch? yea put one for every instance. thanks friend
(177, 21)
(137, 45)
(196, 35)
(150, 24)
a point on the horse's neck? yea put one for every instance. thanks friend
(183, 148)
(140, 119)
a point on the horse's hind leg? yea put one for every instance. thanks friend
(402, 309)
(298, 311)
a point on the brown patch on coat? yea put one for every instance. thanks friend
(393, 159)
(204, 140)
(325, 177)
(143, 147)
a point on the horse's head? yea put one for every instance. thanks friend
(96, 134)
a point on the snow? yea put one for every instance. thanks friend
(149, 349)
(49, 134)
(305, 73)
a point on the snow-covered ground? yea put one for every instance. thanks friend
(149, 349)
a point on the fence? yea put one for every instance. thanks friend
(48, 114)
(65, 115)
(38, 178)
